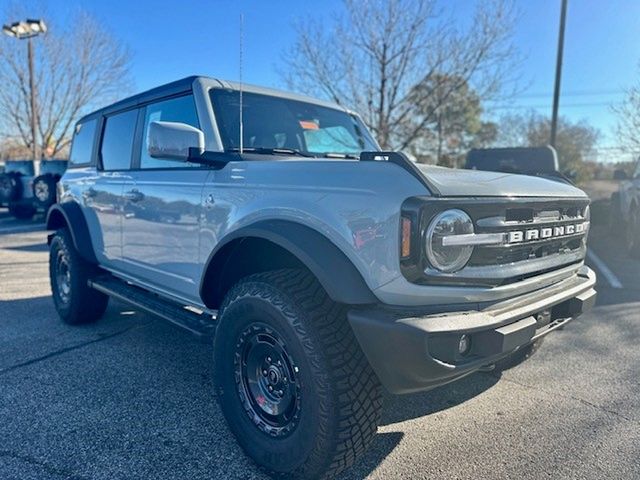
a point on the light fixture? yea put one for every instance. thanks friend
(25, 29)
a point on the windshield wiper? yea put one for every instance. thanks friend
(272, 151)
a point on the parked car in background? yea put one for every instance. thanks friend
(23, 192)
(625, 209)
(535, 161)
(16, 188)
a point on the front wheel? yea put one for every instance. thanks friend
(291, 379)
(69, 274)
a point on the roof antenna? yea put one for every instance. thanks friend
(241, 125)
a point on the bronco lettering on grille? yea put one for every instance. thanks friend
(533, 234)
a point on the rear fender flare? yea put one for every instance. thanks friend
(69, 214)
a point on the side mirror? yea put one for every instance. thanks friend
(172, 141)
(620, 175)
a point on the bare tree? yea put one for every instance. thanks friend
(381, 57)
(628, 113)
(77, 70)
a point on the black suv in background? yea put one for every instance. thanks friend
(23, 192)
(534, 161)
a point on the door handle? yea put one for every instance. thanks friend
(134, 195)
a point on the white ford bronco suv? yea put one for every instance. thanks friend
(322, 267)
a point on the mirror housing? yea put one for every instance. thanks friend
(173, 141)
(620, 174)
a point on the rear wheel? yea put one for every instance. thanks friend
(292, 382)
(69, 274)
(10, 187)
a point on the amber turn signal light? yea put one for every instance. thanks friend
(406, 237)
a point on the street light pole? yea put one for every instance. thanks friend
(556, 90)
(32, 94)
(26, 30)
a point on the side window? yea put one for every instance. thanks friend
(180, 109)
(82, 145)
(117, 140)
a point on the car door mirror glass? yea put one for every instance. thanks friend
(172, 140)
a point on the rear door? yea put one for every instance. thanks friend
(103, 196)
(162, 206)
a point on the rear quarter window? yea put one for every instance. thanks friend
(82, 145)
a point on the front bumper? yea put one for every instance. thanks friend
(411, 352)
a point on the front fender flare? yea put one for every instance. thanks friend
(336, 273)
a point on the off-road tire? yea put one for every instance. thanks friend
(10, 187)
(22, 212)
(77, 304)
(340, 395)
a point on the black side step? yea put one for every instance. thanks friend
(202, 324)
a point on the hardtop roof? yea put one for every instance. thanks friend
(185, 84)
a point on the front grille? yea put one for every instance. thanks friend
(523, 219)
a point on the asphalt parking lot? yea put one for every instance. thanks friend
(131, 396)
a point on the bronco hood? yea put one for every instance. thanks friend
(451, 182)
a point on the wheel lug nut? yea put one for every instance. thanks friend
(270, 388)
(268, 359)
(264, 372)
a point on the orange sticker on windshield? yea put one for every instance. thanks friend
(309, 125)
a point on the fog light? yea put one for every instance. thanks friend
(464, 344)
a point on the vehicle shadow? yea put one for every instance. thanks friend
(400, 408)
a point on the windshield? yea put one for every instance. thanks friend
(280, 123)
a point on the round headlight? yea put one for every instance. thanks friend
(448, 258)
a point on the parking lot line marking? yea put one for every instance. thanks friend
(608, 274)
(22, 229)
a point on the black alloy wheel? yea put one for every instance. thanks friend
(267, 380)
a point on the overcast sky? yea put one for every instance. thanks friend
(171, 39)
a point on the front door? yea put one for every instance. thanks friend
(161, 212)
